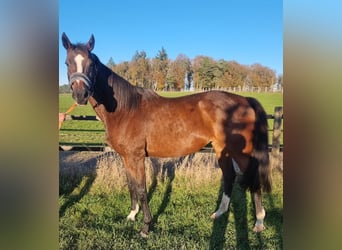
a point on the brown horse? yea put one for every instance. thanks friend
(140, 123)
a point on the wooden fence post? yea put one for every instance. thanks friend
(278, 115)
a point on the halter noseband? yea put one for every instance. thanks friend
(80, 76)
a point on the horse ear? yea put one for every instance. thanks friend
(91, 43)
(66, 42)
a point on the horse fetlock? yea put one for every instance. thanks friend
(144, 234)
(223, 207)
(133, 213)
(131, 216)
(214, 216)
(259, 224)
(261, 215)
(145, 230)
(259, 227)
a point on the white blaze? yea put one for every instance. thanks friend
(78, 60)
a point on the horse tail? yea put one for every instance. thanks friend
(260, 143)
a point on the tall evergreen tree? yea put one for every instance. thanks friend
(111, 63)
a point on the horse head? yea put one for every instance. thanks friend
(82, 68)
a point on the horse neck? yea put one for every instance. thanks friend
(114, 92)
(102, 98)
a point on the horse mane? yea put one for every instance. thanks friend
(128, 96)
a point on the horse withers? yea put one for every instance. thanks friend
(140, 123)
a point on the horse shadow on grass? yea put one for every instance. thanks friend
(76, 176)
(164, 170)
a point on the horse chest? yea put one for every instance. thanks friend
(123, 139)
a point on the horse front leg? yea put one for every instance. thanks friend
(135, 168)
(259, 212)
(134, 198)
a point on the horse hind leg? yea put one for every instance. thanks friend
(222, 208)
(259, 211)
(228, 180)
(252, 180)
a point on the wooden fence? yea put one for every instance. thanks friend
(275, 147)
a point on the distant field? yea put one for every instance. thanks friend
(90, 132)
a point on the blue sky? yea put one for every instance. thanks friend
(246, 31)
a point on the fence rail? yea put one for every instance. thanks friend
(275, 147)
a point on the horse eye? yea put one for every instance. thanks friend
(67, 64)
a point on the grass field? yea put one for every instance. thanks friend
(92, 133)
(182, 193)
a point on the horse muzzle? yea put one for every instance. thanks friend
(81, 87)
(80, 95)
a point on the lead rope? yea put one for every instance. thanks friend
(63, 115)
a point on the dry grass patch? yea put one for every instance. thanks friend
(108, 174)
(194, 170)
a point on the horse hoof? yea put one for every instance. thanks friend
(258, 228)
(143, 234)
(130, 218)
(213, 216)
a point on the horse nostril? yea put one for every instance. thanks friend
(86, 94)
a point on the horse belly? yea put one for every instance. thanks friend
(175, 145)
(177, 128)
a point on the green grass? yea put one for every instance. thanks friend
(268, 100)
(94, 207)
(90, 132)
(79, 132)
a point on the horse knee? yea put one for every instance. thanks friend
(141, 194)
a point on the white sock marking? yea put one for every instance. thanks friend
(223, 207)
(260, 217)
(133, 213)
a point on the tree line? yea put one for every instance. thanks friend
(200, 73)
